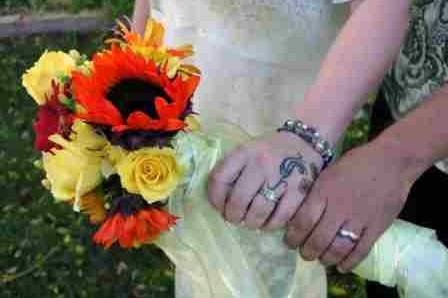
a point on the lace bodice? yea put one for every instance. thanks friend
(280, 31)
(257, 56)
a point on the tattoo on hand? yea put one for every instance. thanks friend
(305, 186)
(287, 167)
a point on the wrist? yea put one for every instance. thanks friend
(408, 158)
(330, 115)
(311, 136)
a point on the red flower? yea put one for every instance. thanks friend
(108, 95)
(142, 227)
(52, 118)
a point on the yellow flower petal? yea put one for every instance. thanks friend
(152, 173)
(172, 66)
(189, 70)
(75, 169)
(64, 170)
(193, 124)
(154, 33)
(50, 66)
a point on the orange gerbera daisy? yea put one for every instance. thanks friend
(128, 92)
(141, 227)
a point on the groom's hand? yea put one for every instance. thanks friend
(362, 193)
(264, 182)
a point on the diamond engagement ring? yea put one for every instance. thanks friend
(348, 235)
(269, 194)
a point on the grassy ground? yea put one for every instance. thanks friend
(45, 248)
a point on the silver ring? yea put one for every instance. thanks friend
(269, 194)
(348, 235)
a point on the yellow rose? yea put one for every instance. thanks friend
(152, 173)
(75, 169)
(51, 65)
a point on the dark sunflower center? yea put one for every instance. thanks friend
(132, 95)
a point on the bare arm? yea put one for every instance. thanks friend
(421, 138)
(355, 65)
(354, 4)
(141, 14)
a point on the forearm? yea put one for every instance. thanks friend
(141, 15)
(421, 138)
(354, 66)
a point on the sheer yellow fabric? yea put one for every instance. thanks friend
(223, 260)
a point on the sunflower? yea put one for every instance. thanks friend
(125, 91)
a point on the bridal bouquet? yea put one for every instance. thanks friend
(109, 129)
(121, 143)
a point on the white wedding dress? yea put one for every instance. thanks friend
(257, 57)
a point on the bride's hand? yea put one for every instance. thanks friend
(264, 181)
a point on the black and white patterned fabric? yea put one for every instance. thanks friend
(422, 65)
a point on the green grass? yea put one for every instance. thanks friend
(357, 133)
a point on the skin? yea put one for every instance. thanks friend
(141, 13)
(235, 182)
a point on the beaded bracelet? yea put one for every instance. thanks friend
(310, 135)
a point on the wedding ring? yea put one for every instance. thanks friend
(348, 235)
(269, 194)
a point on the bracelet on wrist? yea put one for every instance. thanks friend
(311, 136)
